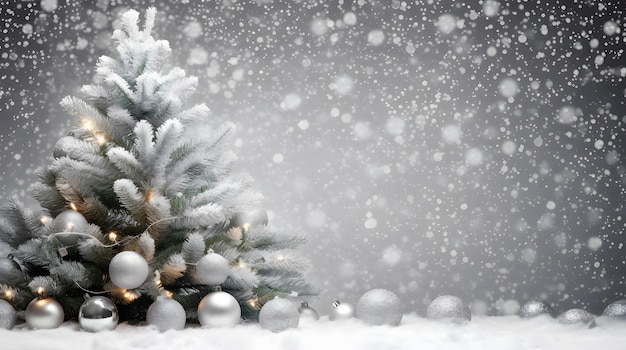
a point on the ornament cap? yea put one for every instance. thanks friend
(336, 303)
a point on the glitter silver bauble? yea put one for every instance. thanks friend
(219, 309)
(616, 310)
(128, 270)
(578, 317)
(448, 308)
(308, 313)
(166, 313)
(250, 218)
(534, 308)
(213, 269)
(8, 317)
(341, 311)
(98, 314)
(379, 307)
(67, 224)
(278, 315)
(44, 314)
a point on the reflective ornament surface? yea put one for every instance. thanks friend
(341, 311)
(308, 313)
(534, 308)
(8, 317)
(448, 308)
(128, 270)
(278, 315)
(98, 314)
(44, 314)
(213, 269)
(66, 224)
(219, 309)
(577, 317)
(166, 313)
(379, 307)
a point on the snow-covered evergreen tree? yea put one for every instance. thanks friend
(149, 176)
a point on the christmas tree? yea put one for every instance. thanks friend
(142, 173)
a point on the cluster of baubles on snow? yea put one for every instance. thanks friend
(376, 307)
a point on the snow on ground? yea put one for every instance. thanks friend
(416, 333)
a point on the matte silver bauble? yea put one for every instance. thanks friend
(616, 310)
(166, 313)
(213, 269)
(44, 314)
(379, 307)
(278, 315)
(448, 308)
(534, 308)
(67, 224)
(128, 270)
(341, 311)
(8, 317)
(308, 313)
(219, 309)
(98, 314)
(577, 317)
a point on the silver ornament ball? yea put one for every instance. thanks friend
(166, 313)
(44, 314)
(213, 269)
(67, 224)
(379, 307)
(308, 313)
(534, 308)
(98, 314)
(577, 317)
(8, 317)
(448, 308)
(128, 270)
(219, 309)
(8, 269)
(251, 218)
(278, 315)
(341, 311)
(616, 310)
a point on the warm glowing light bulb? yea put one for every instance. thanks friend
(8, 294)
(44, 219)
(73, 206)
(280, 258)
(246, 227)
(87, 124)
(40, 291)
(100, 139)
(112, 236)
(130, 296)
(169, 294)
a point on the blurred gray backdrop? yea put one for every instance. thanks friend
(472, 148)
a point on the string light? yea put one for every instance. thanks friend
(246, 227)
(129, 296)
(87, 124)
(112, 236)
(73, 206)
(8, 294)
(169, 294)
(44, 219)
(40, 291)
(100, 139)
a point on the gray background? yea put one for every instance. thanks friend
(427, 147)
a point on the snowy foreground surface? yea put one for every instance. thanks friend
(414, 333)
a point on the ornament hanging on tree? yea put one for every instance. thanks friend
(534, 308)
(166, 313)
(308, 313)
(98, 314)
(44, 313)
(219, 309)
(213, 269)
(616, 310)
(8, 269)
(251, 218)
(341, 311)
(8, 317)
(128, 270)
(67, 225)
(578, 317)
(379, 307)
(450, 308)
(278, 315)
